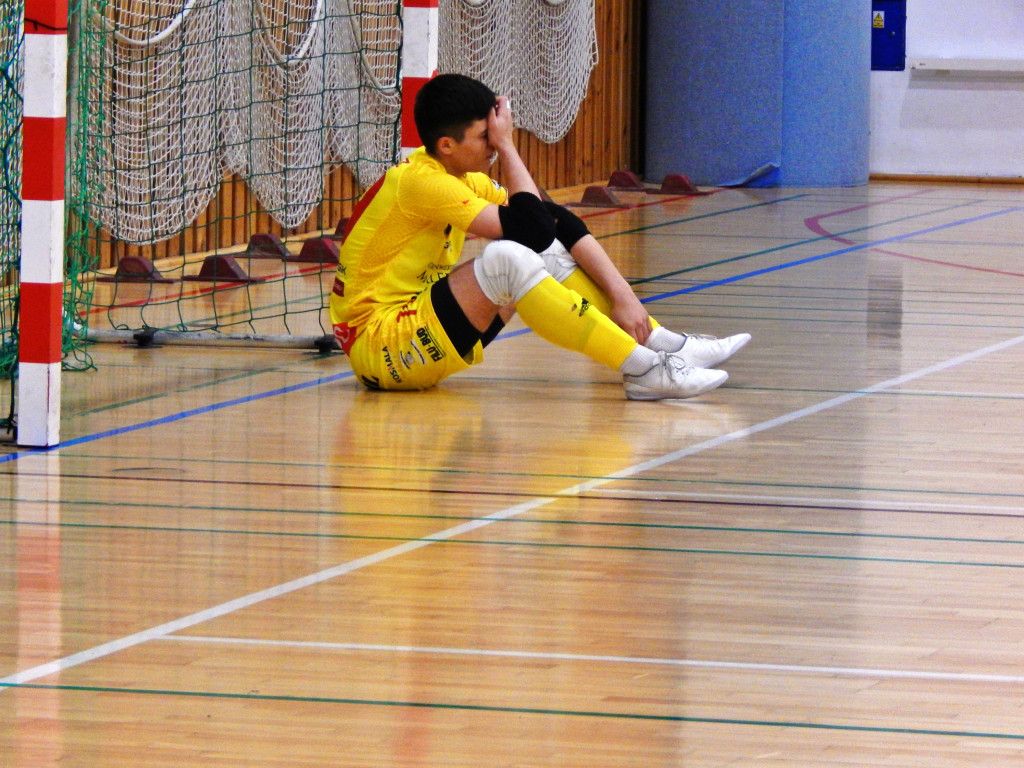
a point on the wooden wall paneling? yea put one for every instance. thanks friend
(603, 139)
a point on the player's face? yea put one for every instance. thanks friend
(474, 152)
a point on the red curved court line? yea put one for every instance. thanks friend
(951, 264)
(814, 224)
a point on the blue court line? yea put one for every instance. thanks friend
(348, 374)
(829, 255)
(699, 216)
(807, 241)
(179, 416)
(801, 262)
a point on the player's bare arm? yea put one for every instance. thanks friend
(515, 174)
(626, 310)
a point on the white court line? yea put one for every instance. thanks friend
(246, 601)
(901, 674)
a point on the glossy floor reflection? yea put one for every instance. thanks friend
(239, 557)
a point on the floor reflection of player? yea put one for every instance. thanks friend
(470, 439)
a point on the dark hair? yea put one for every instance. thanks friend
(447, 105)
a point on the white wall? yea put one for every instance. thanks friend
(956, 123)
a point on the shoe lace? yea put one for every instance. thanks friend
(676, 367)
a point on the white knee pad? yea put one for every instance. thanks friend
(558, 261)
(506, 271)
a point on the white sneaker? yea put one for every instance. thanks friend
(707, 352)
(672, 378)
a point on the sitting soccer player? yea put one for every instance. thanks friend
(408, 317)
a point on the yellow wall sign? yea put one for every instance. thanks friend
(878, 19)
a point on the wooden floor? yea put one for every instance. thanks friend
(240, 558)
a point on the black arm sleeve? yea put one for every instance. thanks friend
(569, 228)
(527, 221)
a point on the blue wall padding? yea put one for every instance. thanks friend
(739, 86)
(827, 98)
(713, 109)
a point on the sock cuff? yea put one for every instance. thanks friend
(661, 339)
(639, 361)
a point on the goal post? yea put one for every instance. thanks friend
(420, 29)
(42, 217)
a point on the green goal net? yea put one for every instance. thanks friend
(215, 148)
(11, 39)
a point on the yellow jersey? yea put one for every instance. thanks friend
(406, 233)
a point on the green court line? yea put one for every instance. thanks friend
(665, 718)
(451, 533)
(511, 521)
(452, 471)
(766, 251)
(646, 228)
(862, 289)
(581, 523)
(823, 292)
(575, 478)
(538, 545)
(856, 305)
(248, 374)
(695, 312)
(240, 376)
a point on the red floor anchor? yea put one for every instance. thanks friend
(677, 184)
(135, 269)
(222, 269)
(598, 197)
(319, 250)
(264, 245)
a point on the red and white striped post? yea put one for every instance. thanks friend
(419, 61)
(42, 222)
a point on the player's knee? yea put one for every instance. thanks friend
(558, 261)
(506, 271)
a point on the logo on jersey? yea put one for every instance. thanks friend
(422, 348)
(392, 368)
(433, 273)
(430, 345)
(405, 311)
(346, 336)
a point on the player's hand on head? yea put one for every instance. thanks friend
(499, 122)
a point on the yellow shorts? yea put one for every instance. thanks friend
(405, 347)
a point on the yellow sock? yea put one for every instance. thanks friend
(580, 282)
(563, 317)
